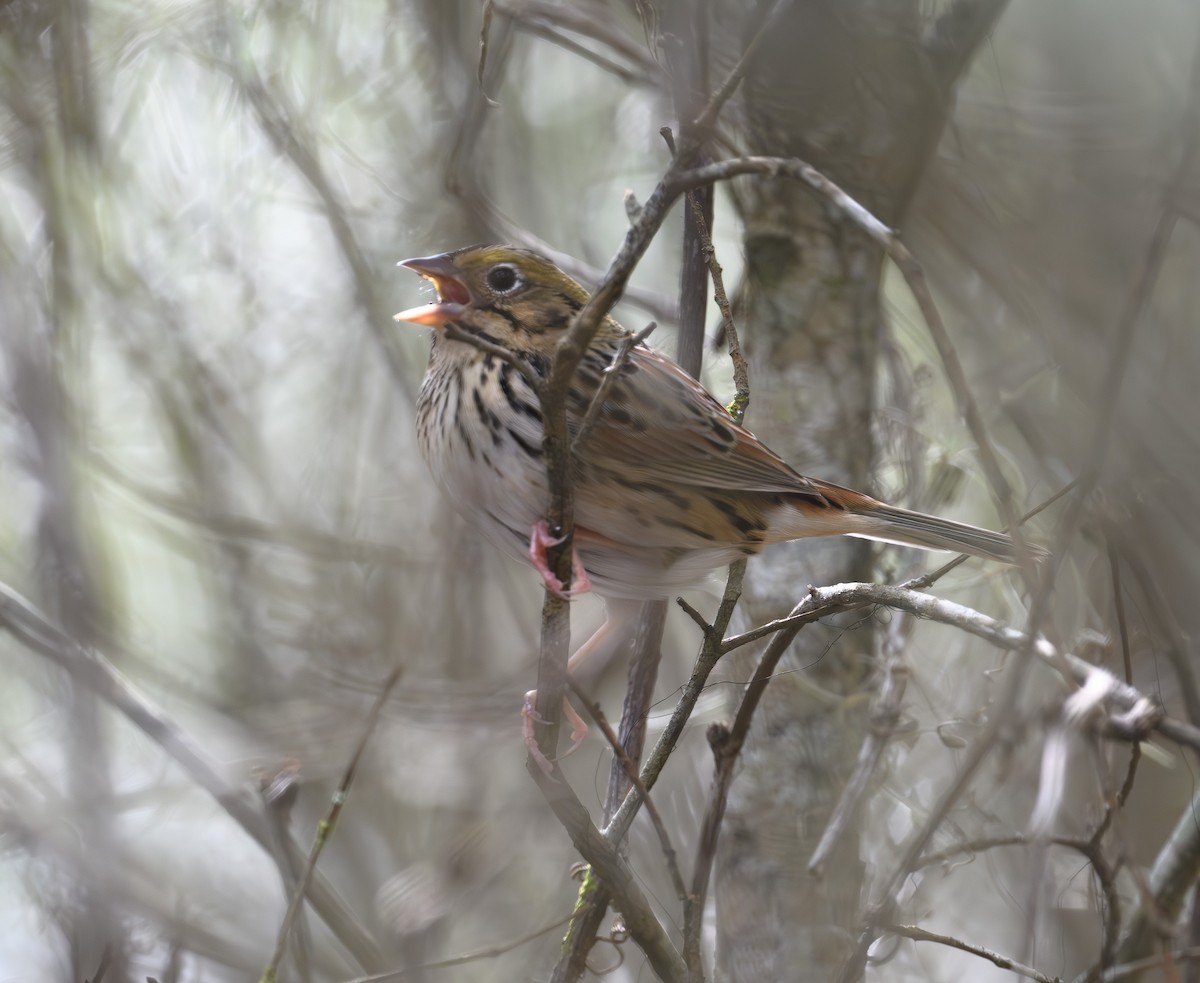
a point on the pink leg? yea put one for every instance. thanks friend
(529, 717)
(539, 540)
(601, 645)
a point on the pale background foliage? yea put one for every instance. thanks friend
(208, 468)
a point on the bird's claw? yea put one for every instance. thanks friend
(539, 541)
(530, 716)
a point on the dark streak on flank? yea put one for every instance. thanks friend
(486, 416)
(666, 520)
(681, 502)
(531, 449)
(744, 524)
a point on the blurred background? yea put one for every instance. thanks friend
(208, 471)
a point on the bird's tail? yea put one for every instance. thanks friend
(894, 525)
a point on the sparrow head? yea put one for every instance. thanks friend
(507, 295)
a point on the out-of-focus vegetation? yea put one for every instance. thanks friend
(208, 473)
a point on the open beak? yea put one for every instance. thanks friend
(452, 295)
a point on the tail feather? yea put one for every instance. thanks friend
(896, 525)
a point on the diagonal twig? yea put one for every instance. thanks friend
(326, 826)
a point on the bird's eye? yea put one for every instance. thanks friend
(503, 279)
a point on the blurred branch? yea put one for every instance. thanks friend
(281, 123)
(1139, 966)
(630, 768)
(918, 934)
(1176, 646)
(615, 872)
(1176, 869)
(765, 13)
(1131, 318)
(630, 76)
(327, 825)
(741, 371)
(885, 717)
(485, 30)
(308, 540)
(951, 38)
(555, 17)
(29, 626)
(478, 955)
(706, 661)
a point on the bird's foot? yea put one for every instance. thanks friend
(539, 541)
(530, 717)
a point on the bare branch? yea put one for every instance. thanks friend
(616, 875)
(885, 717)
(327, 825)
(767, 11)
(741, 370)
(34, 630)
(580, 20)
(485, 29)
(612, 372)
(1004, 962)
(1176, 869)
(953, 37)
(631, 772)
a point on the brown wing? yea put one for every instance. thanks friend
(658, 424)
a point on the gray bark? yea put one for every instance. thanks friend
(852, 89)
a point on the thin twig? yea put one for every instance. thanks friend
(927, 580)
(326, 826)
(617, 876)
(768, 10)
(485, 29)
(34, 630)
(579, 20)
(918, 934)
(741, 371)
(710, 654)
(478, 955)
(609, 379)
(726, 744)
(884, 718)
(631, 772)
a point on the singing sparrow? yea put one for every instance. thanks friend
(668, 487)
